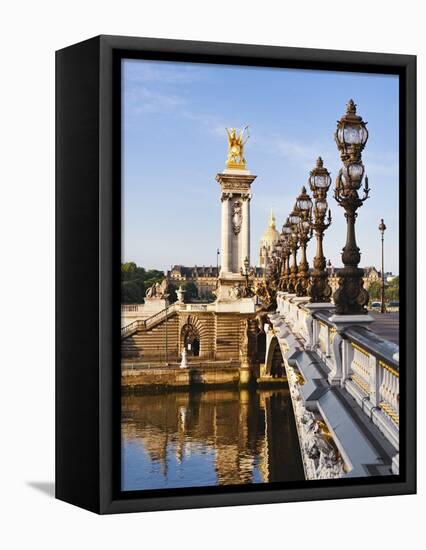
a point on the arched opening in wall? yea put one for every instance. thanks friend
(274, 360)
(277, 363)
(190, 340)
(261, 346)
(196, 347)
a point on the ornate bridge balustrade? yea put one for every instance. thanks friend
(339, 367)
(367, 366)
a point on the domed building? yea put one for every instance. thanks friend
(268, 241)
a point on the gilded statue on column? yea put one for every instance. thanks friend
(236, 141)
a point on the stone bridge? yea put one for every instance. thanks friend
(344, 385)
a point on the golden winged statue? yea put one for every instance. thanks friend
(236, 141)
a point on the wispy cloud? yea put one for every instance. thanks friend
(305, 153)
(143, 100)
(167, 73)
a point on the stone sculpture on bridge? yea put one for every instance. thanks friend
(157, 291)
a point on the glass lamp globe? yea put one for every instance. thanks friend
(351, 128)
(303, 202)
(352, 175)
(320, 177)
(294, 216)
(321, 205)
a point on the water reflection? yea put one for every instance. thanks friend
(194, 439)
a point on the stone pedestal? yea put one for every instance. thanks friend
(313, 307)
(312, 326)
(180, 293)
(343, 321)
(245, 375)
(341, 349)
(235, 187)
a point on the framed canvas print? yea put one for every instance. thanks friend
(235, 274)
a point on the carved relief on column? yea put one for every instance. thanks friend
(237, 217)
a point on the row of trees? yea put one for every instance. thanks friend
(136, 280)
(391, 290)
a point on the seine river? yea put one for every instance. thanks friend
(194, 439)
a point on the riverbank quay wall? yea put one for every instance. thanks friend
(218, 333)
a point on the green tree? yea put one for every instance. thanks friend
(131, 292)
(171, 289)
(191, 291)
(374, 291)
(135, 280)
(209, 297)
(392, 290)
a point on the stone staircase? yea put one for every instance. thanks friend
(146, 338)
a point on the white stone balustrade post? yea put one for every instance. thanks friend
(335, 376)
(389, 390)
(375, 380)
(328, 343)
(315, 333)
(347, 357)
(309, 326)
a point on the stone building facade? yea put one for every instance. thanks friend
(205, 278)
(371, 274)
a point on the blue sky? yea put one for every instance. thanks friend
(174, 143)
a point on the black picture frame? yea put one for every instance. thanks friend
(87, 271)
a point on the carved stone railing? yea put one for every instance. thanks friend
(150, 322)
(353, 358)
(131, 308)
(373, 378)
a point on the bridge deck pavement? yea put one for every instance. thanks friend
(386, 325)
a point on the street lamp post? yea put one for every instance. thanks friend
(294, 219)
(247, 272)
(351, 136)
(304, 231)
(320, 181)
(382, 229)
(286, 235)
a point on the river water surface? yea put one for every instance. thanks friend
(195, 439)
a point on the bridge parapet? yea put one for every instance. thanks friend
(351, 360)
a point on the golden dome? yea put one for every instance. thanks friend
(271, 235)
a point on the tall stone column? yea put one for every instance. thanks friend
(245, 232)
(235, 186)
(226, 234)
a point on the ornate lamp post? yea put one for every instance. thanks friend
(319, 182)
(247, 272)
(351, 136)
(294, 219)
(304, 230)
(382, 229)
(286, 232)
(284, 262)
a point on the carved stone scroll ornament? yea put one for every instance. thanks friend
(321, 459)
